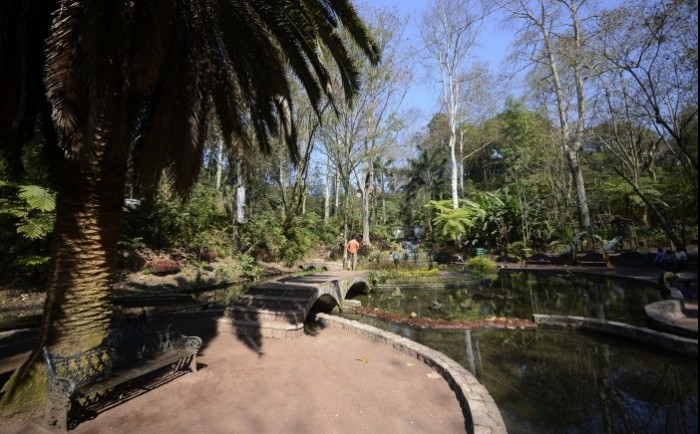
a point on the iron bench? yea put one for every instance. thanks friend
(125, 354)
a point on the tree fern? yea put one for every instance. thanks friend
(38, 198)
(31, 208)
(455, 223)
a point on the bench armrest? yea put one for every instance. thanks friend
(55, 383)
(192, 343)
(62, 386)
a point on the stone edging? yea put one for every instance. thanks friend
(481, 414)
(659, 339)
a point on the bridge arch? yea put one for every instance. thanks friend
(324, 303)
(278, 308)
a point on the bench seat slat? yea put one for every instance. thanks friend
(122, 376)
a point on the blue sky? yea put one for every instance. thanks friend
(424, 94)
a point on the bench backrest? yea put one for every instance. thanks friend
(123, 348)
(83, 367)
(133, 346)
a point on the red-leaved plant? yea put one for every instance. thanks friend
(162, 267)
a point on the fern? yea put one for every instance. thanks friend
(30, 261)
(38, 198)
(37, 227)
(32, 209)
(454, 223)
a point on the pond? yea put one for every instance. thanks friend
(549, 380)
(522, 294)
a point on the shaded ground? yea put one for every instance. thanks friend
(329, 381)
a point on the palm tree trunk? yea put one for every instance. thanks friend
(78, 307)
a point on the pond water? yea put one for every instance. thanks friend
(521, 294)
(550, 380)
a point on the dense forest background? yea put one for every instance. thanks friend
(602, 142)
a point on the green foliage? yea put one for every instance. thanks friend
(249, 268)
(268, 238)
(299, 237)
(165, 221)
(263, 236)
(375, 256)
(27, 216)
(456, 223)
(378, 277)
(31, 261)
(570, 240)
(517, 251)
(31, 207)
(481, 266)
(331, 231)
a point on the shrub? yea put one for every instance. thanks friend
(166, 221)
(162, 267)
(480, 266)
(206, 255)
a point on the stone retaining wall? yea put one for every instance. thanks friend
(481, 414)
(646, 336)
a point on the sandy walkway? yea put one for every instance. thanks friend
(332, 381)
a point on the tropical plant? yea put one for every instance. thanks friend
(456, 223)
(30, 210)
(134, 85)
(375, 256)
(517, 251)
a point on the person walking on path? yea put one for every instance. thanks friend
(353, 248)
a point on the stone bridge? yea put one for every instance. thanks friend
(278, 308)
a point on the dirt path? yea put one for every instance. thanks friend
(330, 381)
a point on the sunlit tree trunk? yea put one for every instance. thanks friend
(541, 18)
(449, 30)
(78, 307)
(219, 161)
(337, 193)
(364, 188)
(327, 192)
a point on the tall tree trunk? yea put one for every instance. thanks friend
(337, 193)
(78, 307)
(283, 188)
(327, 192)
(346, 213)
(461, 161)
(219, 161)
(383, 199)
(570, 147)
(364, 185)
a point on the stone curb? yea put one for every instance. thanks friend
(481, 415)
(646, 336)
(671, 316)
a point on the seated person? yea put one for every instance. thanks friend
(680, 257)
(661, 258)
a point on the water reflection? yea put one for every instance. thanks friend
(559, 381)
(520, 294)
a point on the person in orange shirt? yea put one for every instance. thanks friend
(353, 248)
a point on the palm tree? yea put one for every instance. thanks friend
(117, 85)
